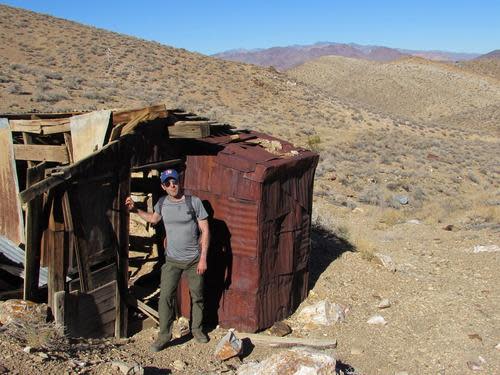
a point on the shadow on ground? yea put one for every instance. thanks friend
(326, 246)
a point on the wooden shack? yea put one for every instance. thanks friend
(65, 177)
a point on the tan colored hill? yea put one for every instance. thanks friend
(486, 66)
(413, 88)
(447, 170)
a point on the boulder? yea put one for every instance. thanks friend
(295, 361)
(279, 329)
(21, 310)
(322, 313)
(229, 346)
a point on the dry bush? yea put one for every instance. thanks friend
(53, 96)
(38, 335)
(391, 217)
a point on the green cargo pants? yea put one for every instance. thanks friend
(171, 273)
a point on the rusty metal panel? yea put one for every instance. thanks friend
(261, 205)
(11, 220)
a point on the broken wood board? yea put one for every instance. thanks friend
(285, 342)
(42, 153)
(88, 132)
(99, 278)
(11, 219)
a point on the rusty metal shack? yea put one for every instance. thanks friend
(65, 177)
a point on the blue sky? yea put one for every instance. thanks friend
(214, 26)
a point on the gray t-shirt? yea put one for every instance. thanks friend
(181, 229)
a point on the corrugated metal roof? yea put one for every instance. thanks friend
(16, 255)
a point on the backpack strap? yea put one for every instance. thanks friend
(189, 204)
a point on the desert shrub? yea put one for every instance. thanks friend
(314, 142)
(53, 75)
(95, 95)
(372, 195)
(17, 90)
(51, 96)
(5, 79)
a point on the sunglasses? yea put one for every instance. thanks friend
(171, 182)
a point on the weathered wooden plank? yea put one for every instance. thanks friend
(42, 153)
(121, 225)
(189, 131)
(56, 247)
(33, 234)
(143, 116)
(141, 306)
(59, 309)
(125, 116)
(289, 341)
(194, 123)
(159, 165)
(73, 170)
(69, 146)
(99, 277)
(88, 132)
(38, 122)
(36, 129)
(82, 264)
(11, 219)
(64, 128)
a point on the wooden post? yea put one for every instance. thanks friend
(57, 250)
(33, 235)
(83, 266)
(122, 231)
(59, 308)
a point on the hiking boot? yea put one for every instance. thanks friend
(200, 337)
(160, 344)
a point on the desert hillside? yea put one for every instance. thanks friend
(409, 171)
(412, 88)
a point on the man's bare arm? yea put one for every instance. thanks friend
(150, 217)
(205, 241)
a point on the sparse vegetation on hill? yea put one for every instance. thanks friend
(409, 167)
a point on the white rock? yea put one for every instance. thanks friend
(322, 313)
(356, 351)
(28, 349)
(386, 261)
(229, 346)
(485, 249)
(413, 221)
(127, 368)
(497, 347)
(296, 361)
(179, 365)
(384, 304)
(377, 319)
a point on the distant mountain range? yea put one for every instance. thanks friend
(284, 58)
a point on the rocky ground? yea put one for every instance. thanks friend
(436, 298)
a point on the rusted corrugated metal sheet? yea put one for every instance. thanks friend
(261, 204)
(16, 255)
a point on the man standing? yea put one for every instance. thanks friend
(186, 227)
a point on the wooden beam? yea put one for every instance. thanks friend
(124, 116)
(82, 265)
(121, 221)
(107, 153)
(158, 165)
(287, 341)
(42, 153)
(187, 130)
(56, 245)
(64, 128)
(34, 212)
(141, 306)
(19, 124)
